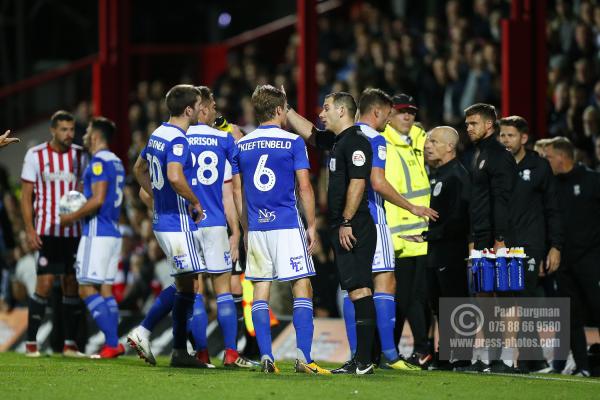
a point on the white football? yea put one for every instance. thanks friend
(71, 202)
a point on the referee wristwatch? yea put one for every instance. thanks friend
(346, 222)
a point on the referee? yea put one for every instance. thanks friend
(353, 233)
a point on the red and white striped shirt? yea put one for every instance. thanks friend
(53, 174)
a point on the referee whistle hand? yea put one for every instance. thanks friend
(425, 212)
(347, 239)
(413, 238)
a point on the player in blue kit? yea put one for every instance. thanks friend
(211, 149)
(100, 246)
(164, 169)
(270, 164)
(374, 109)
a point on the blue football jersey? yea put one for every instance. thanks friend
(210, 149)
(167, 144)
(379, 154)
(104, 166)
(268, 159)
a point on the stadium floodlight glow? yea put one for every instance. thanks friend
(224, 19)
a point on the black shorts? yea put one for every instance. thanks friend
(355, 266)
(239, 267)
(57, 255)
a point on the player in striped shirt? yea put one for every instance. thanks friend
(50, 170)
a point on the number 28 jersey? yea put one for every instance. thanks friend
(268, 159)
(167, 144)
(210, 148)
(104, 166)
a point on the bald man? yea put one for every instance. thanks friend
(448, 235)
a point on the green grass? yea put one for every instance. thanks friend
(129, 378)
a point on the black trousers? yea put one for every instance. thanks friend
(446, 271)
(580, 281)
(411, 300)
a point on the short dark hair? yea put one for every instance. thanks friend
(373, 97)
(343, 99)
(563, 145)
(265, 100)
(517, 122)
(105, 126)
(180, 97)
(61, 115)
(205, 93)
(486, 111)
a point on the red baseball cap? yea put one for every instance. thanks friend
(402, 101)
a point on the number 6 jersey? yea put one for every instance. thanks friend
(209, 149)
(268, 159)
(168, 144)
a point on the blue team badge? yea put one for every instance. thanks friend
(227, 258)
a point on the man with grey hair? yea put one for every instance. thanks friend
(448, 235)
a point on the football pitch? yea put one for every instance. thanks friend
(129, 378)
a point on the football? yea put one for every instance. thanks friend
(71, 202)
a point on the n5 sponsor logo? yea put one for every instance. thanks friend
(265, 215)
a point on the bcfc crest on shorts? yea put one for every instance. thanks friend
(296, 263)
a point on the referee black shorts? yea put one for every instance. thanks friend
(57, 255)
(355, 266)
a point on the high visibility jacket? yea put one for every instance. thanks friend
(405, 171)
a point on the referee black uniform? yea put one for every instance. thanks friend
(448, 235)
(579, 273)
(351, 158)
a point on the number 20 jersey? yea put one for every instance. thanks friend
(268, 159)
(168, 143)
(104, 166)
(210, 148)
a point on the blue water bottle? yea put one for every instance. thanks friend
(516, 270)
(487, 271)
(501, 271)
(474, 271)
